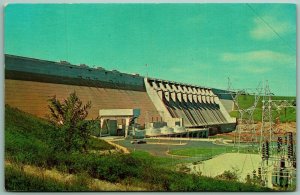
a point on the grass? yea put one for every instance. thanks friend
(207, 153)
(96, 144)
(17, 180)
(162, 162)
(201, 152)
(28, 142)
(53, 180)
(285, 115)
(28, 139)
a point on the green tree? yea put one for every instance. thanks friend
(72, 130)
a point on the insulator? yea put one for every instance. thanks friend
(282, 163)
(290, 151)
(248, 177)
(291, 139)
(294, 163)
(279, 144)
(263, 151)
(291, 147)
(267, 149)
(259, 171)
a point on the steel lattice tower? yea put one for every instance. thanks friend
(246, 128)
(267, 127)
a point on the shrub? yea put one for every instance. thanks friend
(229, 175)
(115, 167)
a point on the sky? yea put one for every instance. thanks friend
(201, 44)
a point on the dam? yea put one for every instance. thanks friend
(171, 106)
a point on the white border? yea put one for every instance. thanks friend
(2, 5)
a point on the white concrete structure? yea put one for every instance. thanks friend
(188, 105)
(152, 132)
(179, 129)
(114, 114)
(166, 130)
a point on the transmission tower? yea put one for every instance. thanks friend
(246, 128)
(278, 161)
(267, 123)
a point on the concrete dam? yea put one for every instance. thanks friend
(171, 106)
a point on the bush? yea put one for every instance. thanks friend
(115, 168)
(229, 175)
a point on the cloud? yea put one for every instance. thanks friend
(259, 56)
(256, 69)
(259, 61)
(262, 31)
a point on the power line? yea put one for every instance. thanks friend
(266, 23)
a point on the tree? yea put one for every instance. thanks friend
(72, 130)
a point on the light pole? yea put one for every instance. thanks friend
(146, 70)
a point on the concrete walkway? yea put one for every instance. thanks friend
(245, 163)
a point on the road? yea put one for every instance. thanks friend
(160, 147)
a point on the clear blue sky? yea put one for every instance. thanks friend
(200, 44)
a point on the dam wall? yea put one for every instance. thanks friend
(30, 83)
(187, 105)
(30, 69)
(226, 97)
(32, 96)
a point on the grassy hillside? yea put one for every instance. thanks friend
(285, 115)
(28, 139)
(18, 180)
(28, 143)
